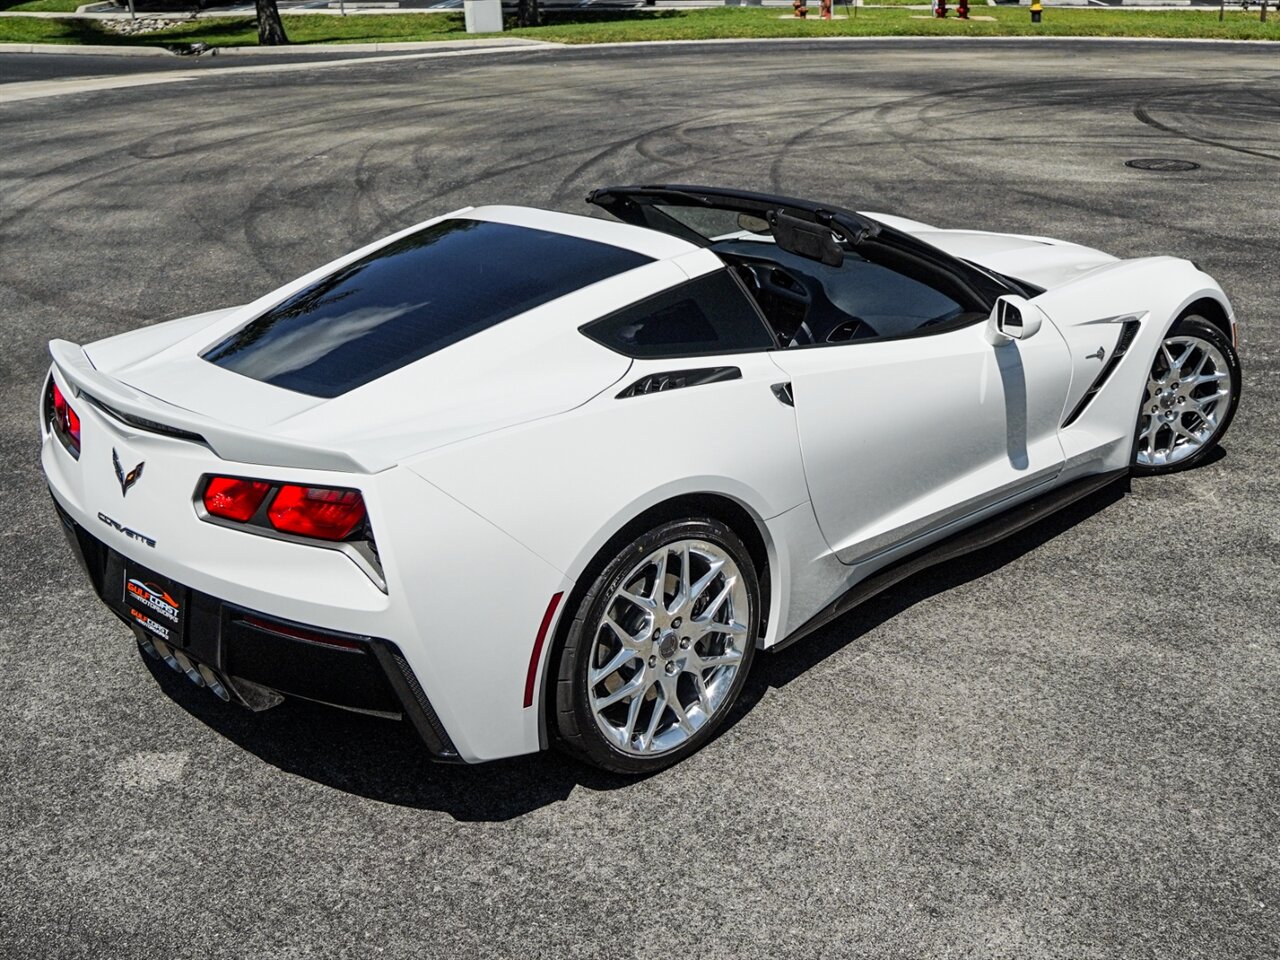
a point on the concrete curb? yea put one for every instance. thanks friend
(297, 49)
(909, 38)
(503, 45)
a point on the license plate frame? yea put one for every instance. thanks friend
(155, 604)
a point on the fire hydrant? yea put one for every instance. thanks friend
(1035, 11)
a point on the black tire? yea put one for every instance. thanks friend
(1192, 325)
(579, 734)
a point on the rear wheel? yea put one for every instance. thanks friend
(1192, 392)
(659, 648)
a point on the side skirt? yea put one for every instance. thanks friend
(981, 535)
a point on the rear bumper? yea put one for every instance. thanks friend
(355, 672)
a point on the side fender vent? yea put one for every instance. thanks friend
(678, 379)
(1129, 330)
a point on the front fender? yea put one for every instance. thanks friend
(1090, 313)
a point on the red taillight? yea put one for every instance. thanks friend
(234, 498)
(73, 427)
(64, 421)
(320, 512)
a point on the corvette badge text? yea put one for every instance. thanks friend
(131, 534)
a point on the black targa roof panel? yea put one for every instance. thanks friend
(411, 298)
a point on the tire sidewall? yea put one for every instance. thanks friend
(576, 723)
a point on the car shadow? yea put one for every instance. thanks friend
(383, 760)
(780, 669)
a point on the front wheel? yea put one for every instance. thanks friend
(659, 648)
(1192, 392)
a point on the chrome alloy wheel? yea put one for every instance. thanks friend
(665, 653)
(1188, 391)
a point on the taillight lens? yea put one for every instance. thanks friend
(324, 513)
(234, 498)
(319, 513)
(64, 421)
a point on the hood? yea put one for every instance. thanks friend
(1039, 261)
(1043, 263)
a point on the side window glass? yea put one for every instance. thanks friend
(708, 315)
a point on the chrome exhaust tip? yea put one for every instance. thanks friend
(189, 668)
(215, 685)
(166, 654)
(148, 647)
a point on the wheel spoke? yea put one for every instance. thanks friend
(677, 708)
(729, 657)
(633, 714)
(1211, 398)
(682, 596)
(628, 640)
(1151, 429)
(704, 698)
(644, 603)
(711, 609)
(660, 582)
(1177, 365)
(659, 708)
(1216, 377)
(705, 581)
(629, 689)
(620, 660)
(1182, 431)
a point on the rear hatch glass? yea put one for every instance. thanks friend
(411, 298)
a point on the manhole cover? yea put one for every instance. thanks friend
(1163, 165)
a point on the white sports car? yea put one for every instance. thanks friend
(528, 478)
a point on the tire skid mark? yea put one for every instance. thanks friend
(1144, 116)
(921, 140)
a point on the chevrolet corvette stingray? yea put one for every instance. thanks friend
(525, 478)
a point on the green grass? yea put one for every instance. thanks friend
(40, 30)
(1009, 21)
(588, 27)
(50, 6)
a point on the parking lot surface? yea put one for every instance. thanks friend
(1065, 747)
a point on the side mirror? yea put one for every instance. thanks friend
(1014, 318)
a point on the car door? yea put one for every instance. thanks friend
(905, 437)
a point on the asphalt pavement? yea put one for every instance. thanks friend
(1065, 747)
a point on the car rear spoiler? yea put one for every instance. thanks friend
(141, 411)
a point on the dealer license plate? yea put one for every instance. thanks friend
(156, 604)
